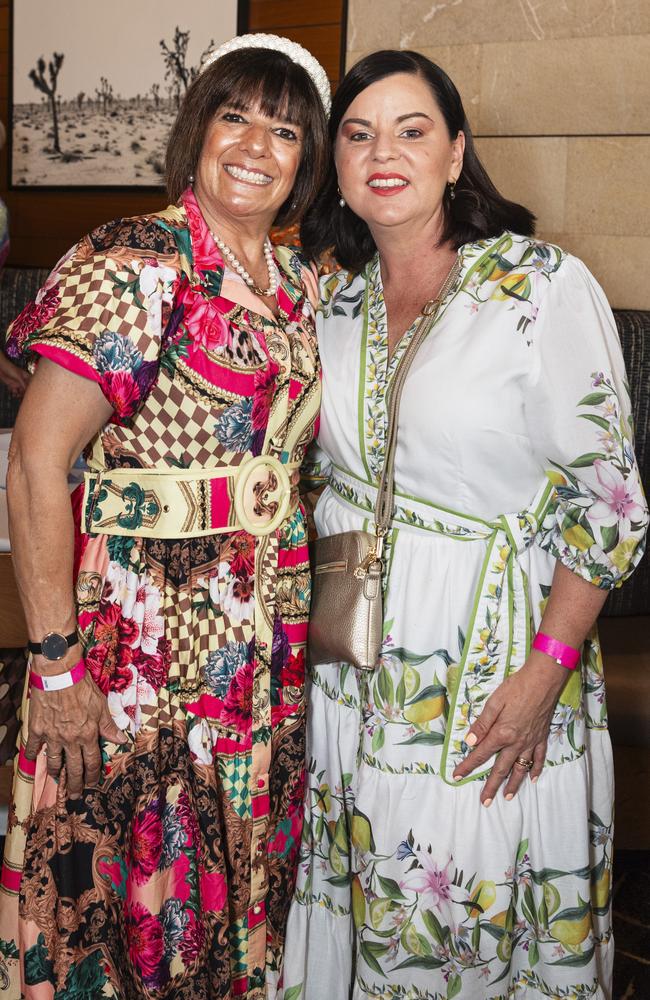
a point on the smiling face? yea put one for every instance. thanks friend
(248, 166)
(394, 155)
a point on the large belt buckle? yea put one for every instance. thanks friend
(262, 494)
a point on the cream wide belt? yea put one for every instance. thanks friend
(255, 496)
(497, 638)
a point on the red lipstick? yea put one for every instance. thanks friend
(389, 190)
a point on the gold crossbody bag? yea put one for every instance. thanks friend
(347, 605)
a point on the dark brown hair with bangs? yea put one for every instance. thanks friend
(243, 79)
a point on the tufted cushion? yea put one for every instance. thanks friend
(18, 285)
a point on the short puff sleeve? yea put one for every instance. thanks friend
(579, 419)
(100, 314)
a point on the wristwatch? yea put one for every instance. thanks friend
(54, 646)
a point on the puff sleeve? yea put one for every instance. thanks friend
(579, 419)
(100, 315)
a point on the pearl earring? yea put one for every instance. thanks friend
(452, 189)
(341, 198)
(191, 178)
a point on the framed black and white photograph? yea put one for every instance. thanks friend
(95, 85)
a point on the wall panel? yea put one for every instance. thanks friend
(557, 96)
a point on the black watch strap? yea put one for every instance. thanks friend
(37, 647)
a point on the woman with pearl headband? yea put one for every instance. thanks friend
(157, 801)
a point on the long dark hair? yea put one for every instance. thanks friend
(241, 79)
(478, 210)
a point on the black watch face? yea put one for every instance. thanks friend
(54, 646)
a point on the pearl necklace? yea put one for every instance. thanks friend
(243, 273)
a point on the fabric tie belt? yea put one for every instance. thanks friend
(497, 639)
(255, 496)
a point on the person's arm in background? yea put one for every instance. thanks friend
(11, 375)
(61, 412)
(15, 378)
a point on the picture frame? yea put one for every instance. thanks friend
(95, 87)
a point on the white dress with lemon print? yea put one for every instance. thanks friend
(515, 449)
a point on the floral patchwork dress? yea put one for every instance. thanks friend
(172, 877)
(515, 450)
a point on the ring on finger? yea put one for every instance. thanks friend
(525, 763)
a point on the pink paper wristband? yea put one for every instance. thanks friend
(566, 656)
(59, 681)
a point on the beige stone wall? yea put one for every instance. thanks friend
(558, 94)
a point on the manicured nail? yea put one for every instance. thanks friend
(471, 739)
(487, 803)
(457, 777)
(509, 796)
(535, 779)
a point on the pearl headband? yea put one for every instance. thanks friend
(295, 52)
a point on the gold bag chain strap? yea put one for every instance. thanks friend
(386, 487)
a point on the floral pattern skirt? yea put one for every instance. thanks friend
(142, 888)
(408, 888)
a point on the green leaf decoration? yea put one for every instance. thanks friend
(610, 537)
(596, 420)
(400, 693)
(586, 460)
(433, 926)
(385, 686)
(445, 655)
(431, 691)
(367, 948)
(521, 851)
(424, 739)
(576, 961)
(593, 399)
(574, 912)
(548, 874)
(38, 967)
(84, 980)
(8, 949)
(293, 993)
(337, 863)
(406, 656)
(378, 739)
(493, 930)
(390, 887)
(212, 281)
(533, 953)
(454, 985)
(340, 881)
(341, 835)
(421, 962)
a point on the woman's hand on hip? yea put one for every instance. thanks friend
(70, 723)
(515, 723)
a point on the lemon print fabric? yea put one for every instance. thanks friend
(514, 453)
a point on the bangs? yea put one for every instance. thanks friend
(272, 82)
(246, 79)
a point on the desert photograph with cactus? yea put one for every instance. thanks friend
(98, 114)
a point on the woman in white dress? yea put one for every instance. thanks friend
(458, 829)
